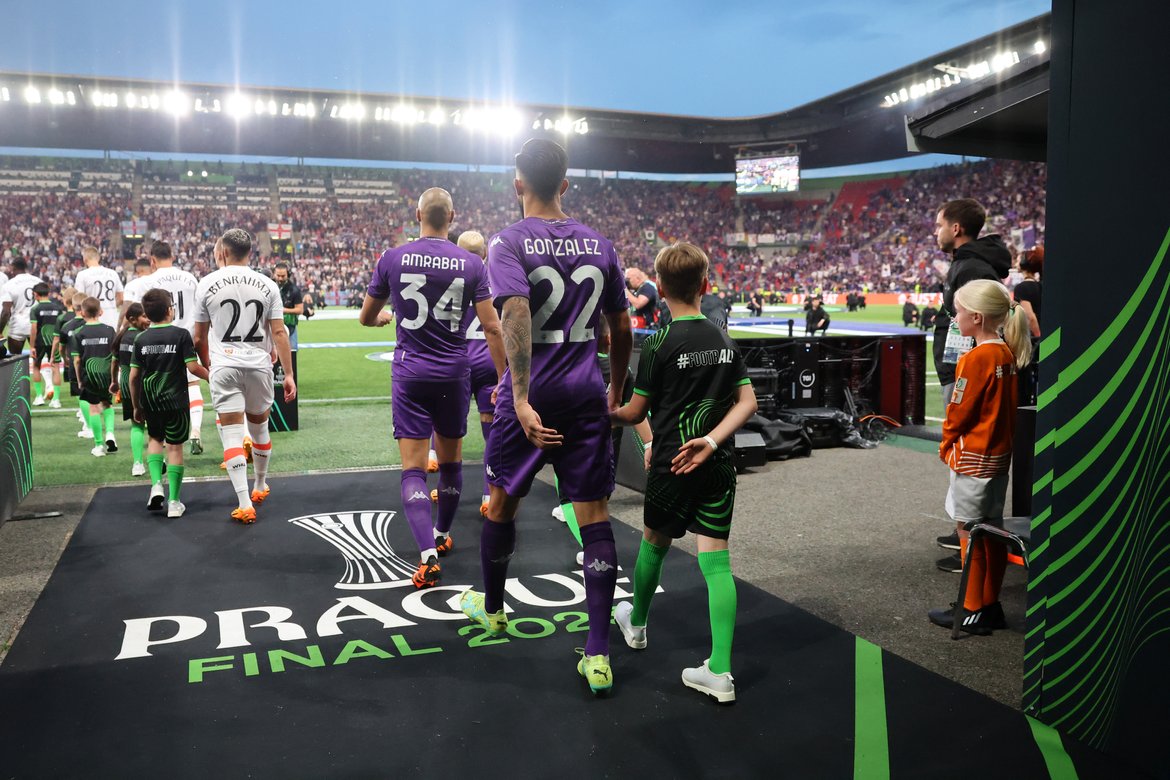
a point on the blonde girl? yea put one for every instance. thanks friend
(978, 434)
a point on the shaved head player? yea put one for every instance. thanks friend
(431, 284)
(554, 278)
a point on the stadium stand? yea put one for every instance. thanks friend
(874, 234)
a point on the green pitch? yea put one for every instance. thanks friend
(344, 414)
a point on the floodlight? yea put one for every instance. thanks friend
(190, 173)
(70, 98)
(176, 103)
(56, 97)
(437, 116)
(1039, 47)
(32, 95)
(237, 105)
(4, 94)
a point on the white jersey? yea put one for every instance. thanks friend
(135, 289)
(239, 304)
(104, 284)
(183, 287)
(18, 291)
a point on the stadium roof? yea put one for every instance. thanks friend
(862, 124)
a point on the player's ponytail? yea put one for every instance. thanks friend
(994, 302)
(1017, 334)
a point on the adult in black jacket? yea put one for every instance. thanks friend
(956, 228)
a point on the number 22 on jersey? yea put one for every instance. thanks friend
(578, 331)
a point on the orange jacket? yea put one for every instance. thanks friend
(981, 418)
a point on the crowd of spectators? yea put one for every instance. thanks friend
(883, 243)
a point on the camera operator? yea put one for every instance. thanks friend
(643, 297)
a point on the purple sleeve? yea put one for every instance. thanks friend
(483, 290)
(613, 299)
(506, 271)
(379, 283)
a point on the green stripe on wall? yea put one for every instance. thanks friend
(871, 745)
(1060, 766)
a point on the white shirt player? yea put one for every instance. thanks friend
(18, 291)
(183, 288)
(136, 288)
(104, 284)
(239, 303)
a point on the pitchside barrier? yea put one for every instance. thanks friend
(860, 375)
(284, 416)
(16, 460)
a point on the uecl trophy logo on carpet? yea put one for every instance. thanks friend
(362, 537)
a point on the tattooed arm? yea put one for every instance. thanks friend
(517, 327)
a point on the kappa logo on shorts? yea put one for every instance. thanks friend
(362, 538)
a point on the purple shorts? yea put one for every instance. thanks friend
(483, 382)
(420, 407)
(583, 462)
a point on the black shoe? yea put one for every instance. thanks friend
(952, 564)
(196, 447)
(979, 622)
(949, 542)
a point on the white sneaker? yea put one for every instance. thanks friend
(559, 513)
(85, 433)
(175, 509)
(80, 418)
(98, 451)
(138, 470)
(580, 557)
(720, 687)
(54, 404)
(157, 498)
(635, 636)
(39, 401)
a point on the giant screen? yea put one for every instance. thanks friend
(759, 175)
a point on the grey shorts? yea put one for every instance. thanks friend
(976, 498)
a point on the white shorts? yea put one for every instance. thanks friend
(241, 390)
(976, 498)
(18, 331)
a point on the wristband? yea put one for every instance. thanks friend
(711, 441)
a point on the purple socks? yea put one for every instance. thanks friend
(496, 543)
(450, 488)
(600, 579)
(416, 502)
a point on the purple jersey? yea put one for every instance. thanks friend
(570, 275)
(431, 284)
(478, 356)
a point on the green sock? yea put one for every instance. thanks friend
(38, 387)
(721, 600)
(154, 464)
(84, 407)
(647, 572)
(175, 477)
(95, 425)
(571, 521)
(570, 515)
(137, 441)
(108, 421)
